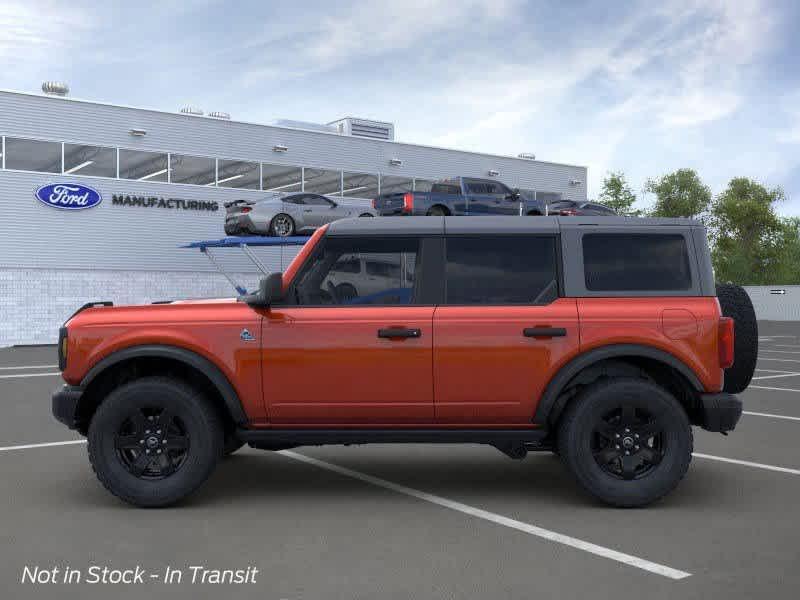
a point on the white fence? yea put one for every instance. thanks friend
(775, 302)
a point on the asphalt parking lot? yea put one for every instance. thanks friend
(412, 521)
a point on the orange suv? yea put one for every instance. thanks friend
(603, 339)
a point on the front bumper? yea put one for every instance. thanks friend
(721, 411)
(66, 401)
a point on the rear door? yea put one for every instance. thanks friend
(319, 210)
(352, 345)
(502, 330)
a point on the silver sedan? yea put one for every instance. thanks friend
(282, 215)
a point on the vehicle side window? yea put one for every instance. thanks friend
(476, 188)
(317, 201)
(501, 270)
(295, 200)
(445, 188)
(334, 276)
(636, 262)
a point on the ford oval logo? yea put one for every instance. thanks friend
(68, 196)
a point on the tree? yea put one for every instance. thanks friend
(752, 245)
(679, 194)
(617, 195)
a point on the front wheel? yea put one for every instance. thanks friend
(154, 441)
(627, 441)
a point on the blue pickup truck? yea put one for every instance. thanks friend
(460, 196)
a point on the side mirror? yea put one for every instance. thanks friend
(333, 204)
(270, 290)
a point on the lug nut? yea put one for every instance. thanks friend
(147, 431)
(617, 446)
(616, 435)
(636, 447)
(164, 442)
(627, 452)
(159, 451)
(636, 435)
(147, 451)
(158, 431)
(141, 441)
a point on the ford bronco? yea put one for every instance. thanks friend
(602, 339)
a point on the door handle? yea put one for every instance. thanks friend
(544, 332)
(399, 332)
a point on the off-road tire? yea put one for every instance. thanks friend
(198, 416)
(231, 443)
(735, 303)
(575, 433)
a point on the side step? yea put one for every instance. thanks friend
(533, 439)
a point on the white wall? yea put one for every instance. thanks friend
(771, 305)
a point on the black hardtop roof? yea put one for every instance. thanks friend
(433, 225)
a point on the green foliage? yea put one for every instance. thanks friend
(617, 195)
(752, 244)
(679, 194)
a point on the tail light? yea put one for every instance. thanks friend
(725, 341)
(568, 212)
(408, 203)
(375, 203)
(246, 209)
(62, 348)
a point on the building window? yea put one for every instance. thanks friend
(423, 185)
(238, 174)
(33, 155)
(360, 185)
(144, 166)
(501, 270)
(323, 181)
(396, 185)
(90, 160)
(280, 178)
(195, 170)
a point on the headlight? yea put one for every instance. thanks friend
(62, 348)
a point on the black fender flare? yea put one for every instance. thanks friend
(189, 358)
(548, 409)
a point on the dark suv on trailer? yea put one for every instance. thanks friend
(603, 339)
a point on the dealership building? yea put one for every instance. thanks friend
(161, 180)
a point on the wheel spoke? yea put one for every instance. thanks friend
(606, 455)
(606, 430)
(139, 422)
(141, 463)
(648, 430)
(628, 467)
(166, 465)
(163, 421)
(650, 455)
(128, 442)
(177, 442)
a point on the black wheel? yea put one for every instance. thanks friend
(282, 225)
(366, 215)
(231, 443)
(154, 440)
(231, 230)
(346, 292)
(627, 441)
(735, 303)
(437, 211)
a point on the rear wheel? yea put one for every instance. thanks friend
(735, 303)
(627, 441)
(366, 215)
(282, 225)
(154, 441)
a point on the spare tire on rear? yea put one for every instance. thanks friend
(735, 303)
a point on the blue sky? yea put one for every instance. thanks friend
(643, 87)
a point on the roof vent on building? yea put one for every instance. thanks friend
(192, 110)
(376, 130)
(527, 155)
(55, 88)
(216, 114)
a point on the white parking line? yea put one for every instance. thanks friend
(45, 445)
(29, 367)
(770, 415)
(774, 389)
(29, 375)
(778, 359)
(786, 345)
(546, 534)
(776, 376)
(772, 371)
(779, 351)
(747, 463)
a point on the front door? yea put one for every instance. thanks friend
(501, 330)
(352, 345)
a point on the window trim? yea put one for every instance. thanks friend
(557, 255)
